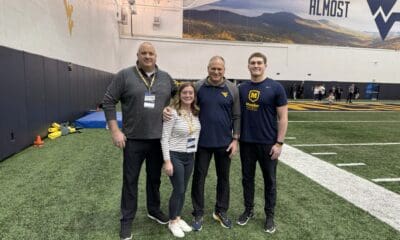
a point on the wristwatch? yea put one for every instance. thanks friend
(279, 143)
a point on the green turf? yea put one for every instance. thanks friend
(381, 161)
(70, 189)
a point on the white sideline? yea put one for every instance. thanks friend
(378, 201)
(350, 164)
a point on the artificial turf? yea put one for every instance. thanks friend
(70, 189)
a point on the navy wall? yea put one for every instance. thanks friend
(36, 91)
(388, 91)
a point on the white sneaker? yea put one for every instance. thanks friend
(176, 230)
(128, 238)
(184, 226)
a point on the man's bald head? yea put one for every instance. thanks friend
(146, 45)
(147, 56)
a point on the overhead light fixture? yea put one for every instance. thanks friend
(132, 4)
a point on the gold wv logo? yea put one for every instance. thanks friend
(69, 9)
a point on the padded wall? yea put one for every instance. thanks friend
(37, 91)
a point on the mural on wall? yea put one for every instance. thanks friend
(350, 23)
(68, 10)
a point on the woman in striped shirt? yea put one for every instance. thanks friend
(179, 143)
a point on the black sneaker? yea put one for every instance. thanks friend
(245, 217)
(197, 223)
(222, 219)
(159, 217)
(125, 233)
(269, 225)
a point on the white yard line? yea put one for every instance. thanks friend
(376, 200)
(324, 153)
(290, 138)
(345, 144)
(386, 180)
(339, 111)
(350, 164)
(356, 121)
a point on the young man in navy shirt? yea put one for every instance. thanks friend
(263, 102)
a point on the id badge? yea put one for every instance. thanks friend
(191, 145)
(149, 100)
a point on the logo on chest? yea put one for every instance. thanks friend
(254, 95)
(225, 94)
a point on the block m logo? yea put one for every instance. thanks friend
(383, 19)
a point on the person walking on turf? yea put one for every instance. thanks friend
(179, 143)
(143, 90)
(263, 102)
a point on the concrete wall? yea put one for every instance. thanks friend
(187, 59)
(41, 27)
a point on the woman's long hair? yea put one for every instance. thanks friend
(177, 104)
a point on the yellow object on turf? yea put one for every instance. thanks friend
(52, 129)
(71, 129)
(55, 125)
(54, 135)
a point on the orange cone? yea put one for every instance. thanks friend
(38, 142)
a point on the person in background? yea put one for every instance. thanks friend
(350, 94)
(179, 143)
(144, 91)
(264, 121)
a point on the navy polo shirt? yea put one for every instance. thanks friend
(215, 115)
(258, 102)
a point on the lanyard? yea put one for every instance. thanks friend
(189, 121)
(144, 80)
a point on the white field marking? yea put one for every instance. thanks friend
(341, 111)
(343, 121)
(324, 153)
(350, 164)
(290, 138)
(345, 144)
(376, 200)
(386, 180)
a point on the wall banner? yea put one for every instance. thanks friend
(350, 23)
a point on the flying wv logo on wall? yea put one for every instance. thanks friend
(383, 18)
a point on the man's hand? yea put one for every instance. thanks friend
(275, 152)
(118, 138)
(167, 114)
(168, 168)
(232, 148)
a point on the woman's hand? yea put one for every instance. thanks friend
(168, 168)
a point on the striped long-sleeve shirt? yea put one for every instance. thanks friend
(176, 133)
